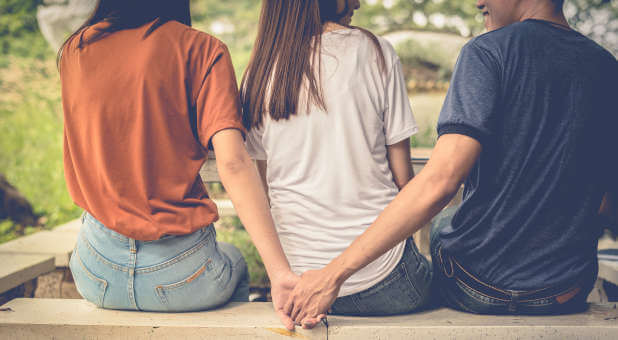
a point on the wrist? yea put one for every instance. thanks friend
(337, 271)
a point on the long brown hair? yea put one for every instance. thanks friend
(284, 55)
(125, 14)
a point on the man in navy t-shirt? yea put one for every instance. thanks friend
(530, 124)
(541, 99)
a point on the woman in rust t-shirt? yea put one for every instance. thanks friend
(145, 96)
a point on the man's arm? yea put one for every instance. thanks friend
(242, 183)
(399, 162)
(420, 200)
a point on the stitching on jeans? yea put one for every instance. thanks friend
(101, 258)
(93, 277)
(477, 280)
(476, 291)
(174, 260)
(104, 229)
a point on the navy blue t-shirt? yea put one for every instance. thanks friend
(543, 103)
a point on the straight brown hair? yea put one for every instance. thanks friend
(284, 55)
(126, 14)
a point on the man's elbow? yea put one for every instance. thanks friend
(444, 186)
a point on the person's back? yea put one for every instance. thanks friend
(529, 216)
(330, 169)
(145, 97)
(328, 174)
(133, 109)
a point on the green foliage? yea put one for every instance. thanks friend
(18, 20)
(241, 239)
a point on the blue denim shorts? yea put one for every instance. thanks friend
(173, 274)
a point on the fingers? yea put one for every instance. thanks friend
(309, 322)
(286, 320)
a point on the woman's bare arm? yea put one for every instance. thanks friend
(242, 183)
(399, 161)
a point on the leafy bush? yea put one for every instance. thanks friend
(18, 26)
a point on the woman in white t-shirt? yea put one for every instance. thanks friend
(329, 123)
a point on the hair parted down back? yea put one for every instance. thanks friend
(286, 55)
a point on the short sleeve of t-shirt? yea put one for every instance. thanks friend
(254, 145)
(217, 102)
(470, 104)
(399, 122)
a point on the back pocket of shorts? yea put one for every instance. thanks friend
(89, 286)
(198, 291)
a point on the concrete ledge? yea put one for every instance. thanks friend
(72, 227)
(56, 244)
(17, 269)
(78, 319)
(600, 322)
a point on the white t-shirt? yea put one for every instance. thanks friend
(328, 173)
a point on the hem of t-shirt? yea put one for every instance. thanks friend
(399, 249)
(462, 129)
(257, 157)
(231, 124)
(407, 133)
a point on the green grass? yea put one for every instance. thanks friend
(230, 230)
(31, 135)
(426, 108)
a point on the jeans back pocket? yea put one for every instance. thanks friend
(89, 286)
(200, 290)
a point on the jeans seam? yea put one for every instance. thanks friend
(175, 259)
(101, 258)
(92, 277)
(479, 293)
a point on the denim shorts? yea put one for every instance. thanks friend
(404, 290)
(183, 273)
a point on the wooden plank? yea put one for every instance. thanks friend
(209, 173)
(20, 268)
(78, 319)
(56, 244)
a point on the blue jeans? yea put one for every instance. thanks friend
(404, 290)
(173, 274)
(459, 289)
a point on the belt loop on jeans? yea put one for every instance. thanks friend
(450, 261)
(513, 304)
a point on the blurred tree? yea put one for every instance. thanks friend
(17, 20)
(597, 19)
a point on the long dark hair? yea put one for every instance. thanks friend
(284, 55)
(125, 14)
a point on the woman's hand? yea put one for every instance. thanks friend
(280, 290)
(312, 297)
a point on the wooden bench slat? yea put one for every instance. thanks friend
(78, 319)
(58, 244)
(19, 268)
(598, 323)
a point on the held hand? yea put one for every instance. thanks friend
(280, 289)
(312, 297)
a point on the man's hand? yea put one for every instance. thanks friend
(312, 297)
(280, 289)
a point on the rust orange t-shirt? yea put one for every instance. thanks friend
(139, 114)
